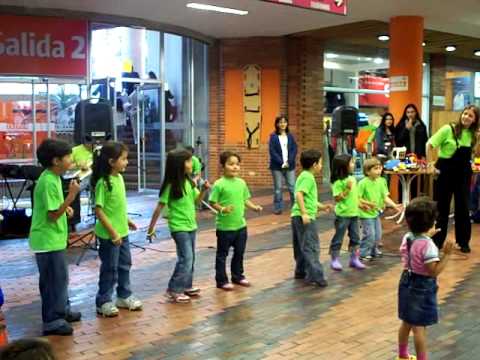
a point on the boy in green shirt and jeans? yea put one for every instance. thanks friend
(48, 236)
(306, 244)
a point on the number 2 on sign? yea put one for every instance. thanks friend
(79, 52)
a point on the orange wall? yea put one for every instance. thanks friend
(270, 93)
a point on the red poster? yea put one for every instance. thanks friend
(331, 6)
(371, 82)
(44, 46)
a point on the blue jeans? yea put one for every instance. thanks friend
(226, 239)
(53, 284)
(116, 262)
(289, 176)
(371, 235)
(182, 277)
(342, 224)
(306, 250)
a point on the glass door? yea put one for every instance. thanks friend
(149, 134)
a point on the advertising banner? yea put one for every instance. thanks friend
(371, 82)
(43, 46)
(331, 6)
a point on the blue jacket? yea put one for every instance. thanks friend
(275, 149)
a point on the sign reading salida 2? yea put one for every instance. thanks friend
(331, 6)
(44, 46)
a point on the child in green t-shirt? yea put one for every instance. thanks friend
(49, 234)
(112, 230)
(229, 197)
(181, 195)
(344, 191)
(373, 192)
(306, 244)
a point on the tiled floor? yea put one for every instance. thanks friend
(277, 318)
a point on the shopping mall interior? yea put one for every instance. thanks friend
(215, 76)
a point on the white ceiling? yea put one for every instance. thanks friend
(268, 19)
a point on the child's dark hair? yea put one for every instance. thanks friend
(50, 149)
(421, 214)
(369, 164)
(309, 157)
(101, 163)
(175, 175)
(277, 126)
(28, 349)
(340, 167)
(190, 148)
(225, 155)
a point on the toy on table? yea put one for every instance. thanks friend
(476, 164)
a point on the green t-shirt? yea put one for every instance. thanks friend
(45, 234)
(81, 155)
(230, 191)
(308, 186)
(373, 191)
(113, 204)
(196, 166)
(444, 139)
(181, 212)
(347, 207)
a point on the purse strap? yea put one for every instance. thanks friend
(409, 247)
(454, 135)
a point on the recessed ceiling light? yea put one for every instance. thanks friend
(476, 53)
(383, 37)
(216, 8)
(331, 56)
(424, 64)
(424, 43)
(378, 60)
(450, 48)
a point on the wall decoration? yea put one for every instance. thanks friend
(252, 101)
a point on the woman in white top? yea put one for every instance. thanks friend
(283, 151)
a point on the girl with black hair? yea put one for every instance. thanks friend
(283, 151)
(344, 190)
(411, 132)
(181, 195)
(385, 135)
(112, 230)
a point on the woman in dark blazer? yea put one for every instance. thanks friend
(385, 135)
(283, 151)
(411, 132)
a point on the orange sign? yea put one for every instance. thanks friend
(45, 46)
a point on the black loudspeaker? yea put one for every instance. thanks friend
(344, 121)
(93, 120)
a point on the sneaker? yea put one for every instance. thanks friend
(322, 283)
(226, 287)
(73, 316)
(194, 291)
(366, 258)
(243, 282)
(378, 252)
(64, 330)
(277, 212)
(299, 276)
(108, 310)
(356, 263)
(177, 297)
(336, 264)
(410, 357)
(465, 249)
(131, 303)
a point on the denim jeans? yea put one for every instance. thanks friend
(226, 239)
(116, 261)
(53, 284)
(342, 224)
(182, 277)
(306, 250)
(371, 235)
(289, 176)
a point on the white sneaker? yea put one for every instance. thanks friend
(131, 303)
(108, 310)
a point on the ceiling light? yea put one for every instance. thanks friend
(383, 37)
(331, 56)
(378, 60)
(368, 58)
(424, 43)
(450, 48)
(216, 8)
(476, 53)
(424, 64)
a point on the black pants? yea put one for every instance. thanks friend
(457, 185)
(226, 239)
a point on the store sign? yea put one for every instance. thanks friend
(371, 82)
(476, 88)
(399, 83)
(44, 46)
(331, 6)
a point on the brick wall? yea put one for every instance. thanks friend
(300, 62)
